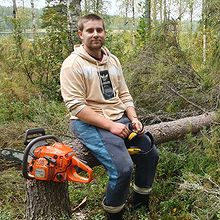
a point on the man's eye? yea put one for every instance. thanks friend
(99, 30)
(90, 30)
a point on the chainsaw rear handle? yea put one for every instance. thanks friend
(27, 151)
(74, 176)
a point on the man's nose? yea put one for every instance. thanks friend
(95, 33)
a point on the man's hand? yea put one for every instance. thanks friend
(137, 126)
(119, 129)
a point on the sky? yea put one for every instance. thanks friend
(38, 3)
(112, 8)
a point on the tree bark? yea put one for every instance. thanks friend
(154, 12)
(49, 200)
(148, 16)
(33, 13)
(73, 12)
(14, 12)
(204, 21)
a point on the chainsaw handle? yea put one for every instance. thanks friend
(27, 151)
(32, 133)
(72, 174)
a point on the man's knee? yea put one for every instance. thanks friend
(125, 173)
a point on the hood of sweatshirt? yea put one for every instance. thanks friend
(80, 51)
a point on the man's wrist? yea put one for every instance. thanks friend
(134, 118)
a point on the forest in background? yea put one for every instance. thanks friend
(172, 69)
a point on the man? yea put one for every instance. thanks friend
(101, 108)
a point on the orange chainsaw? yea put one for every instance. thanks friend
(47, 158)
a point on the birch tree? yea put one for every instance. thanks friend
(14, 12)
(73, 12)
(165, 10)
(204, 22)
(161, 10)
(191, 10)
(154, 11)
(148, 16)
(33, 13)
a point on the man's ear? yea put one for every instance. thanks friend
(79, 33)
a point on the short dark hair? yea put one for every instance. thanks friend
(89, 17)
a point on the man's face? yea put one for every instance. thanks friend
(93, 34)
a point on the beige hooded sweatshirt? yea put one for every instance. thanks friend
(99, 85)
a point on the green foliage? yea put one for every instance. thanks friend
(54, 18)
(142, 32)
(161, 78)
(188, 177)
(120, 44)
(45, 59)
(48, 52)
(23, 14)
(5, 215)
(48, 114)
(39, 61)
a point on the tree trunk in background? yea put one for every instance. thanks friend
(169, 4)
(73, 13)
(165, 10)
(133, 23)
(204, 21)
(191, 4)
(154, 11)
(161, 10)
(179, 27)
(33, 13)
(148, 16)
(14, 12)
(47, 200)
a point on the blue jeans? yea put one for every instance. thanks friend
(111, 151)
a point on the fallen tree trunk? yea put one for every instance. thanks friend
(162, 132)
(173, 130)
(40, 193)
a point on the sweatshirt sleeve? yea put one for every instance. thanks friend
(73, 88)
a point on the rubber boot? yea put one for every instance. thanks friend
(138, 200)
(115, 216)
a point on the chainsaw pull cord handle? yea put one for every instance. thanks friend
(27, 151)
(74, 176)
